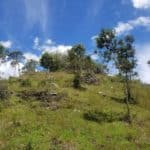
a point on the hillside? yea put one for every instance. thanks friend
(46, 112)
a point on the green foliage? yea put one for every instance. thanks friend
(4, 91)
(106, 42)
(29, 146)
(125, 53)
(77, 81)
(25, 83)
(33, 121)
(76, 58)
(52, 62)
(122, 53)
(103, 117)
(16, 56)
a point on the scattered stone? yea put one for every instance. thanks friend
(102, 93)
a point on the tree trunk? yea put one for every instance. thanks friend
(127, 98)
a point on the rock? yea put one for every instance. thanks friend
(102, 93)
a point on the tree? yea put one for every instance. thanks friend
(92, 67)
(76, 58)
(51, 62)
(122, 53)
(30, 66)
(16, 57)
(76, 62)
(148, 62)
(125, 63)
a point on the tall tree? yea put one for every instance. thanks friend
(122, 53)
(76, 58)
(76, 62)
(16, 57)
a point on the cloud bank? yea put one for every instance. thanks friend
(125, 27)
(50, 46)
(6, 44)
(7, 70)
(141, 4)
(29, 56)
(143, 55)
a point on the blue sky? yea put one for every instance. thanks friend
(34, 26)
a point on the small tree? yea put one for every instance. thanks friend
(76, 63)
(122, 53)
(16, 57)
(30, 66)
(51, 62)
(126, 62)
(76, 58)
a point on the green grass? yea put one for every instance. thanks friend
(27, 123)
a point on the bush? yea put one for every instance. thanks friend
(4, 91)
(25, 83)
(77, 81)
(29, 146)
(103, 116)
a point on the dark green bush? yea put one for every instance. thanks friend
(103, 117)
(4, 91)
(29, 146)
(25, 83)
(77, 81)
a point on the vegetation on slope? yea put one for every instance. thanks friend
(67, 118)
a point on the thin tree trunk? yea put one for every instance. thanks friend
(127, 98)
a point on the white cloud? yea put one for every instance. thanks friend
(49, 42)
(7, 70)
(36, 42)
(63, 49)
(50, 47)
(95, 57)
(6, 44)
(141, 4)
(130, 25)
(29, 56)
(143, 55)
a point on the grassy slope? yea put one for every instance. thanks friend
(27, 123)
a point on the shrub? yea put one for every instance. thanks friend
(29, 146)
(4, 91)
(25, 83)
(77, 81)
(103, 116)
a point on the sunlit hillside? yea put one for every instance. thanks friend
(45, 112)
